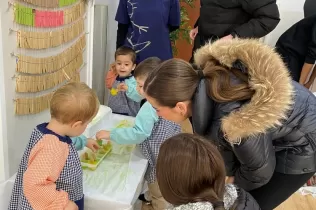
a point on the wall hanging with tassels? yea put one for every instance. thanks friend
(25, 15)
(43, 31)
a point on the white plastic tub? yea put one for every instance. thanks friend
(103, 116)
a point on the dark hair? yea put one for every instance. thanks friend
(126, 51)
(145, 67)
(190, 169)
(177, 80)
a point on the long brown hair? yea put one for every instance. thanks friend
(190, 169)
(175, 81)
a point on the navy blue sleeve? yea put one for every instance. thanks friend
(122, 13)
(122, 30)
(174, 13)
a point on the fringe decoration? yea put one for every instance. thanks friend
(34, 65)
(26, 106)
(44, 40)
(42, 18)
(50, 3)
(27, 83)
(24, 15)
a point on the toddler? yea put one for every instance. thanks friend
(118, 78)
(149, 131)
(191, 175)
(50, 174)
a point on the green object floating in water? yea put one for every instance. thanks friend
(114, 91)
(99, 141)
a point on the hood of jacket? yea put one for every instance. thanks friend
(230, 197)
(268, 77)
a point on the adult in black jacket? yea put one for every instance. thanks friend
(309, 8)
(245, 101)
(234, 18)
(297, 47)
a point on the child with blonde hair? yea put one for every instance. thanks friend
(149, 131)
(50, 174)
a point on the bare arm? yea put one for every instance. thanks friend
(307, 68)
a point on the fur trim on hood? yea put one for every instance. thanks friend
(268, 76)
(230, 197)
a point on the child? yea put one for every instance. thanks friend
(50, 174)
(191, 175)
(149, 131)
(122, 73)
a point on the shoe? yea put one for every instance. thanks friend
(142, 198)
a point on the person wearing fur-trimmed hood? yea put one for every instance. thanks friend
(245, 101)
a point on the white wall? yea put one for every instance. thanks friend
(112, 28)
(3, 144)
(15, 130)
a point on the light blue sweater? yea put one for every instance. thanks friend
(144, 123)
(79, 142)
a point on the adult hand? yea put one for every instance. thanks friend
(122, 87)
(230, 180)
(227, 37)
(103, 135)
(71, 206)
(92, 144)
(193, 33)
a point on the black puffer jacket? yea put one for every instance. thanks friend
(242, 18)
(274, 131)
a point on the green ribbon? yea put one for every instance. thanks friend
(24, 15)
(63, 3)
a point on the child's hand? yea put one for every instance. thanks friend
(103, 135)
(92, 144)
(122, 87)
(71, 206)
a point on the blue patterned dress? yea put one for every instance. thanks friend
(121, 103)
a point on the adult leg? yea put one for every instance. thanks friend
(157, 201)
(278, 189)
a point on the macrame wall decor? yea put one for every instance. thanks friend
(51, 40)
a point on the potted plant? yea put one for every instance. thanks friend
(184, 30)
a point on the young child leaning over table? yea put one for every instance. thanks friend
(50, 174)
(118, 78)
(149, 131)
(191, 176)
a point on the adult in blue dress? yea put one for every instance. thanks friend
(145, 26)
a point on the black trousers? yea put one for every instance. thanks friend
(278, 189)
(200, 41)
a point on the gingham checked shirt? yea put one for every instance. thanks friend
(49, 175)
(149, 131)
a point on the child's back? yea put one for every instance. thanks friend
(50, 151)
(191, 175)
(50, 174)
(162, 130)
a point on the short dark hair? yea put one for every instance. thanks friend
(144, 68)
(126, 51)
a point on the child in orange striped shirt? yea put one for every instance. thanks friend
(50, 174)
